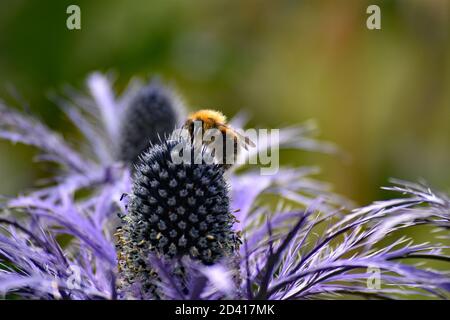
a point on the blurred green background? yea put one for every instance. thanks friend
(381, 95)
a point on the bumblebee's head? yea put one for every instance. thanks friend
(189, 125)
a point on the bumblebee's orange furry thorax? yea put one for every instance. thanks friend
(210, 118)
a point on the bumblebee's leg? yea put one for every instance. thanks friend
(229, 160)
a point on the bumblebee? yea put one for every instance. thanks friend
(211, 119)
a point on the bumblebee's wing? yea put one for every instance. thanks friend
(244, 141)
(248, 142)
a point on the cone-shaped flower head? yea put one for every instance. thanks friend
(152, 114)
(175, 210)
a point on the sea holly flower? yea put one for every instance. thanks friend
(56, 244)
(175, 210)
(153, 113)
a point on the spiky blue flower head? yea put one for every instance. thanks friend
(175, 210)
(153, 112)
